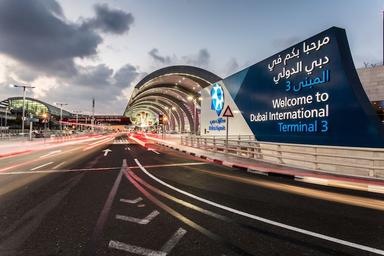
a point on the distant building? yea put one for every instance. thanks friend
(372, 79)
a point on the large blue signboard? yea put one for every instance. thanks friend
(308, 94)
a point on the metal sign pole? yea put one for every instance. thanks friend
(226, 136)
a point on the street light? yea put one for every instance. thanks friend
(24, 89)
(61, 113)
(77, 112)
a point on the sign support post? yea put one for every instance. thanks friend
(227, 113)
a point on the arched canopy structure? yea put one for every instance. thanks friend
(174, 92)
(34, 107)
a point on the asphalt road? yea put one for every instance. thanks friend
(82, 200)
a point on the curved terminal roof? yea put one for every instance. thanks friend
(172, 91)
(33, 105)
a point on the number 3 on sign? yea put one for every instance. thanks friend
(324, 126)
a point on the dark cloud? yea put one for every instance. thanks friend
(93, 76)
(126, 75)
(202, 58)
(110, 21)
(36, 33)
(154, 53)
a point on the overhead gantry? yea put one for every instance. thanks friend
(173, 92)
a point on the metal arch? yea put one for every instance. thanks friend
(175, 88)
(159, 105)
(179, 103)
(182, 70)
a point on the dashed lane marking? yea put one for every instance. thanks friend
(171, 243)
(144, 221)
(50, 153)
(134, 201)
(41, 166)
(60, 164)
(261, 219)
(100, 169)
(135, 249)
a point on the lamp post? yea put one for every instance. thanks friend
(77, 112)
(24, 90)
(61, 113)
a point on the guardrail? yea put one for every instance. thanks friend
(367, 162)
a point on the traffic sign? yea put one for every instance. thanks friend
(228, 112)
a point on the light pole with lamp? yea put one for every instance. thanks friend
(24, 90)
(77, 112)
(61, 114)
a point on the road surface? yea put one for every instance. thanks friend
(116, 197)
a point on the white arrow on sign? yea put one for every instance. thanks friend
(106, 151)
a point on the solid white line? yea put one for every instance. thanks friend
(171, 243)
(134, 201)
(134, 249)
(144, 221)
(271, 222)
(41, 166)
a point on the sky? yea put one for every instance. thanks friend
(73, 51)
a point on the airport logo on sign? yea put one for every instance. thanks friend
(217, 98)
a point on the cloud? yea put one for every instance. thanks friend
(93, 76)
(201, 59)
(39, 46)
(154, 53)
(110, 21)
(36, 33)
(126, 75)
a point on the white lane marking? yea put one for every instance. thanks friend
(144, 221)
(106, 151)
(107, 206)
(135, 249)
(41, 166)
(154, 151)
(60, 164)
(102, 168)
(271, 222)
(134, 201)
(51, 153)
(171, 243)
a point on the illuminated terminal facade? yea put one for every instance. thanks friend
(175, 92)
(172, 92)
(41, 112)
